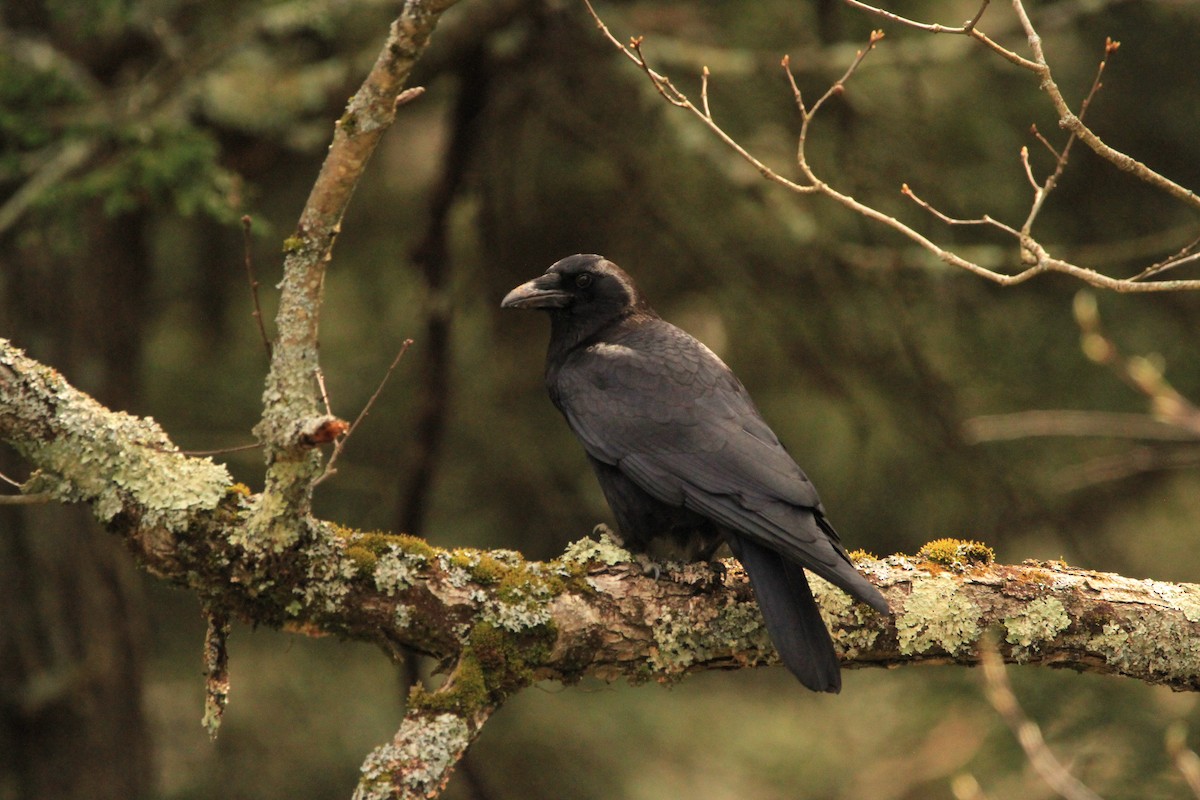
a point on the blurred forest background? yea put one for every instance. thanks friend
(135, 134)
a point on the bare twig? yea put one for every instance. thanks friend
(366, 409)
(969, 28)
(1063, 422)
(1140, 372)
(907, 191)
(1034, 258)
(1046, 142)
(25, 499)
(320, 376)
(1073, 123)
(258, 315)
(1061, 157)
(1186, 255)
(241, 448)
(1029, 735)
(1136, 461)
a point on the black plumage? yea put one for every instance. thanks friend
(683, 456)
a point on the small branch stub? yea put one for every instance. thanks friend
(216, 671)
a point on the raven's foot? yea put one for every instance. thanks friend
(648, 565)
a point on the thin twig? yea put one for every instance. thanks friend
(907, 191)
(677, 98)
(1066, 422)
(1060, 162)
(22, 499)
(1139, 372)
(839, 86)
(1035, 259)
(1184, 256)
(320, 375)
(1071, 122)
(1029, 735)
(1135, 461)
(1038, 135)
(25, 499)
(1029, 169)
(786, 63)
(258, 315)
(341, 442)
(221, 451)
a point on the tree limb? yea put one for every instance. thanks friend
(504, 622)
(289, 398)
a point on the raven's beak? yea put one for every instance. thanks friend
(541, 292)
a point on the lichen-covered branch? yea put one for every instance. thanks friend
(504, 622)
(289, 399)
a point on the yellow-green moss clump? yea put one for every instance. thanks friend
(494, 664)
(957, 553)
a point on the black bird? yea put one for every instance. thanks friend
(683, 456)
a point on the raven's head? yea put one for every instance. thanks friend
(581, 286)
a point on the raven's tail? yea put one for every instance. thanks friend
(791, 614)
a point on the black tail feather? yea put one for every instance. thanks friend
(791, 614)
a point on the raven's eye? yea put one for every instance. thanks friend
(583, 280)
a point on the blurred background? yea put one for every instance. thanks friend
(136, 133)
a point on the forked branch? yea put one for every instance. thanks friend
(1034, 258)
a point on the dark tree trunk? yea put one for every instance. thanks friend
(72, 625)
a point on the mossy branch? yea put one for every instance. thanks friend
(503, 622)
(289, 398)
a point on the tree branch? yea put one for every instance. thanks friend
(289, 398)
(504, 622)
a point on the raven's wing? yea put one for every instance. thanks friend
(662, 408)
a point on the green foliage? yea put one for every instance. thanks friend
(28, 96)
(166, 166)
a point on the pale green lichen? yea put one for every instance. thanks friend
(523, 598)
(396, 569)
(1149, 646)
(605, 550)
(113, 460)
(937, 614)
(267, 527)
(1183, 596)
(418, 759)
(846, 618)
(329, 574)
(456, 575)
(680, 643)
(1039, 621)
(403, 616)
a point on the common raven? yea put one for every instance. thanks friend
(683, 456)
